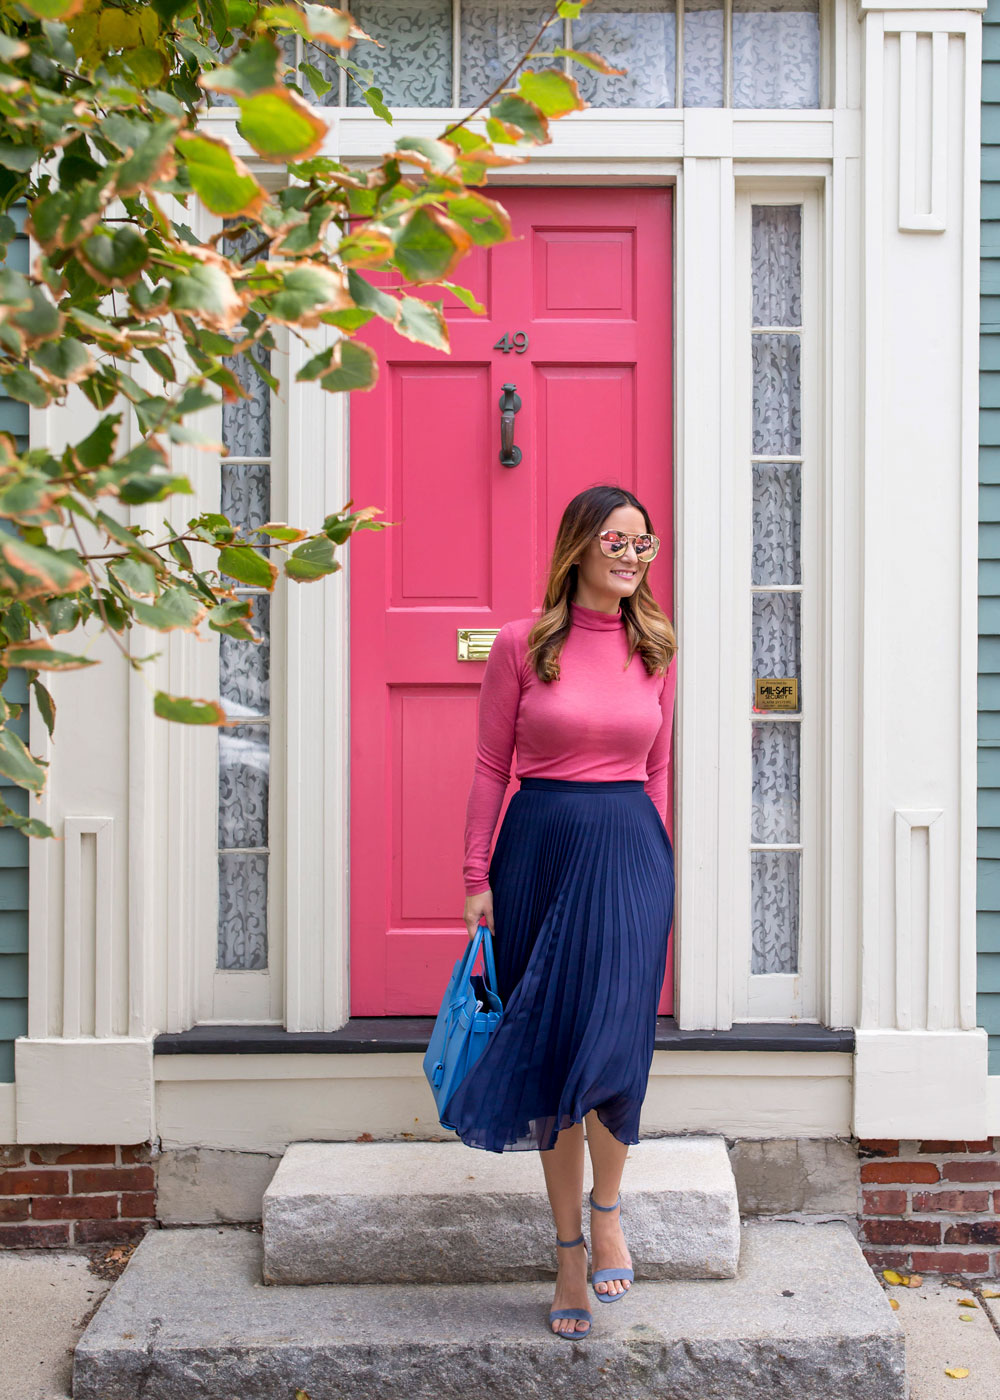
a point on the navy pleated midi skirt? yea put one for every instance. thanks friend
(582, 875)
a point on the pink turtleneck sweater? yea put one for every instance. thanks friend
(597, 722)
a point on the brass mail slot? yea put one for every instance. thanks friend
(474, 642)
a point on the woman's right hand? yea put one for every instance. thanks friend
(475, 906)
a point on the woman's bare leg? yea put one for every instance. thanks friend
(563, 1168)
(607, 1156)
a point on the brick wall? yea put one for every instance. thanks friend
(75, 1195)
(930, 1206)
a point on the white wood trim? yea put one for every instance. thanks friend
(8, 1113)
(87, 990)
(967, 622)
(930, 911)
(317, 667)
(262, 1103)
(913, 105)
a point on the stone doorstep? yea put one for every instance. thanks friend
(190, 1319)
(441, 1213)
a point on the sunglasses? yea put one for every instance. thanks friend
(615, 542)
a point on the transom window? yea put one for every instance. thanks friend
(677, 53)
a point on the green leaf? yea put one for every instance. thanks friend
(371, 298)
(278, 124)
(65, 359)
(373, 96)
(466, 296)
(98, 446)
(288, 534)
(154, 486)
(429, 246)
(306, 289)
(483, 219)
(439, 154)
(589, 60)
(554, 93)
(354, 367)
(243, 562)
(423, 322)
(181, 553)
(42, 320)
(37, 569)
(220, 179)
(12, 49)
(317, 82)
(168, 10)
(17, 763)
(39, 656)
(22, 384)
(117, 256)
(329, 26)
(231, 617)
(175, 607)
(135, 575)
(186, 710)
(524, 119)
(46, 704)
(312, 560)
(208, 291)
(152, 159)
(161, 363)
(254, 69)
(21, 158)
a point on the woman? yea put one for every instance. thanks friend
(580, 889)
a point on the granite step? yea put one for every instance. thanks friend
(440, 1212)
(191, 1319)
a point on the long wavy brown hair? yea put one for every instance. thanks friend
(649, 630)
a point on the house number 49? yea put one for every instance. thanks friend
(518, 341)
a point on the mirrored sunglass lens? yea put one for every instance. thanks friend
(613, 543)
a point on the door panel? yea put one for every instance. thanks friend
(587, 279)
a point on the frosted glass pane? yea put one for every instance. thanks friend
(777, 522)
(246, 497)
(244, 759)
(776, 638)
(414, 67)
(774, 911)
(777, 395)
(242, 944)
(776, 264)
(774, 808)
(244, 669)
(495, 33)
(246, 424)
(703, 28)
(638, 35)
(775, 53)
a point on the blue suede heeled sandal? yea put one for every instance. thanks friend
(617, 1271)
(581, 1314)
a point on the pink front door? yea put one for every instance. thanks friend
(579, 319)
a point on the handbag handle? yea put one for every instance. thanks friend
(482, 936)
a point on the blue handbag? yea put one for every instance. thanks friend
(470, 1013)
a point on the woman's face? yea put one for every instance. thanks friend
(619, 577)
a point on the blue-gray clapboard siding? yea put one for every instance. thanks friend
(14, 846)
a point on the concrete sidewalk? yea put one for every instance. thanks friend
(47, 1297)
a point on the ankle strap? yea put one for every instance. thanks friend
(597, 1207)
(566, 1243)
